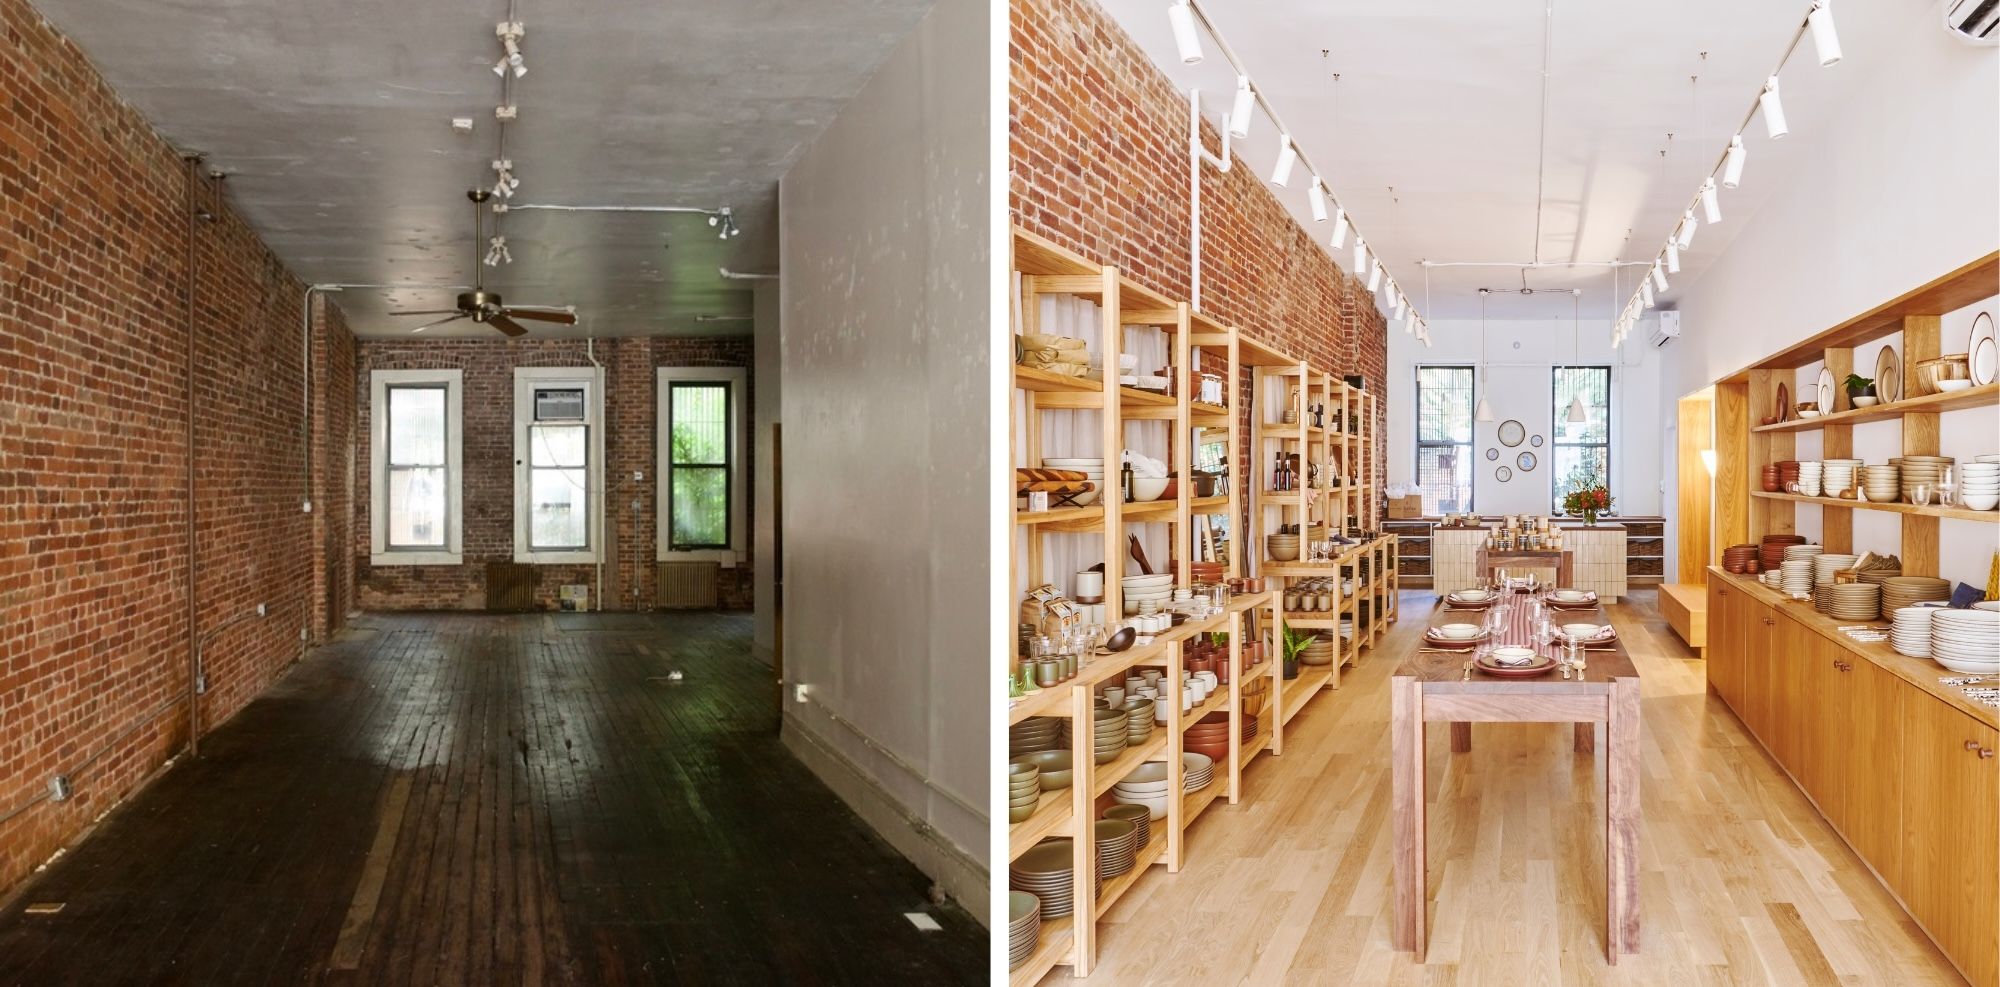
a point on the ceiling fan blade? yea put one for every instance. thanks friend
(435, 311)
(439, 322)
(565, 317)
(506, 325)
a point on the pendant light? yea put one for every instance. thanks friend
(1577, 412)
(1484, 411)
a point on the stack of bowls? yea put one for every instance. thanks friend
(1322, 649)
(1045, 873)
(1796, 575)
(1772, 551)
(1773, 578)
(1809, 477)
(1849, 601)
(1036, 733)
(1024, 790)
(1055, 768)
(1091, 468)
(1882, 484)
(1109, 730)
(1837, 475)
(1788, 473)
(1281, 548)
(1910, 631)
(1738, 558)
(1908, 591)
(1769, 476)
(1139, 714)
(1966, 641)
(1924, 470)
(1117, 846)
(1197, 770)
(1024, 927)
(1979, 485)
(1139, 816)
(1145, 785)
(1826, 564)
(1157, 589)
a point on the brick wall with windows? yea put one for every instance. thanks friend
(630, 412)
(94, 405)
(1099, 164)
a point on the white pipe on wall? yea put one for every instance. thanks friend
(1196, 155)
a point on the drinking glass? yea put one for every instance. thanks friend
(1920, 494)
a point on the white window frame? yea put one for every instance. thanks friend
(526, 380)
(379, 382)
(738, 379)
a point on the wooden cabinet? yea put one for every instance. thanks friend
(1868, 743)
(1820, 762)
(1752, 639)
(1725, 657)
(1950, 854)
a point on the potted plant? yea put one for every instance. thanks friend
(1588, 501)
(1860, 390)
(1295, 644)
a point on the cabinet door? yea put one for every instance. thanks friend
(1951, 811)
(1824, 738)
(1791, 648)
(1725, 661)
(1870, 745)
(1757, 668)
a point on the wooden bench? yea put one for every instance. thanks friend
(1685, 606)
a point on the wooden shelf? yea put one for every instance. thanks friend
(1219, 700)
(1132, 397)
(1037, 379)
(1062, 515)
(1193, 802)
(1199, 409)
(1932, 510)
(1053, 951)
(1051, 818)
(1973, 397)
(1145, 510)
(1209, 505)
(1256, 744)
(1293, 698)
(1114, 771)
(1115, 888)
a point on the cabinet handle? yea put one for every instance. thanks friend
(1985, 752)
(1769, 621)
(1972, 745)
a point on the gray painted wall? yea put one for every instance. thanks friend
(885, 254)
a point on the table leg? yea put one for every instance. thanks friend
(1621, 820)
(1406, 726)
(1461, 738)
(1586, 738)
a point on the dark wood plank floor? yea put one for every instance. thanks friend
(487, 799)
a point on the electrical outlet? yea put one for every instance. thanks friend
(302, 634)
(59, 790)
(260, 610)
(201, 684)
(638, 476)
(306, 507)
(799, 693)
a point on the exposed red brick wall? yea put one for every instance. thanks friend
(334, 420)
(488, 484)
(94, 594)
(1099, 164)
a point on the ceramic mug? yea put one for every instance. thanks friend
(1114, 696)
(1089, 585)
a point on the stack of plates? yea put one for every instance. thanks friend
(1139, 714)
(1809, 477)
(1849, 601)
(1036, 733)
(1802, 551)
(1772, 551)
(1882, 484)
(1826, 564)
(1796, 575)
(1117, 846)
(1197, 770)
(1838, 475)
(1966, 641)
(1906, 591)
(1156, 589)
(1979, 485)
(1772, 577)
(1091, 468)
(1738, 558)
(1045, 873)
(1140, 818)
(1146, 785)
(1877, 576)
(1024, 927)
(1921, 469)
(1910, 631)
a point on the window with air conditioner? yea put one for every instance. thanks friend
(558, 464)
(703, 443)
(414, 504)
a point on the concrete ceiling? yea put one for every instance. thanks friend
(1441, 102)
(332, 120)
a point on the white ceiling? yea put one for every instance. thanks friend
(332, 120)
(1441, 101)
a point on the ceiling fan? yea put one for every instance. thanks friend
(484, 306)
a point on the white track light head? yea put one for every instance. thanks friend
(1317, 196)
(1374, 274)
(1339, 228)
(1181, 16)
(1711, 203)
(1659, 277)
(1773, 109)
(1360, 256)
(1826, 42)
(1732, 165)
(1673, 257)
(1686, 237)
(1646, 293)
(1288, 156)
(1244, 107)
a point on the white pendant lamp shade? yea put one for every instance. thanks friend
(1577, 412)
(1288, 156)
(1317, 196)
(1826, 42)
(1732, 166)
(1773, 109)
(1240, 111)
(1484, 412)
(1711, 202)
(1181, 16)
(1339, 228)
(1673, 257)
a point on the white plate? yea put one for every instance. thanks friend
(1981, 352)
(1967, 667)
(1825, 390)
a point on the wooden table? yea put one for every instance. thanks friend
(1432, 686)
(1526, 558)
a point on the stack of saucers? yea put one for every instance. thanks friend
(1921, 470)
(1910, 631)
(1809, 479)
(1036, 733)
(1826, 564)
(1139, 816)
(1117, 841)
(1796, 575)
(1979, 485)
(1092, 469)
(1908, 591)
(1197, 770)
(1146, 785)
(1849, 601)
(1882, 484)
(1774, 578)
(1045, 873)
(1966, 641)
(1024, 927)
(1838, 475)
(1802, 551)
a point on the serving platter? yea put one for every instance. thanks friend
(1888, 375)
(1824, 391)
(1982, 354)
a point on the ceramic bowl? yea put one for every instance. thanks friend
(1472, 595)
(1458, 632)
(1148, 488)
(1513, 656)
(1570, 595)
(1953, 385)
(1581, 631)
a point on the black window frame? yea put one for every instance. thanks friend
(1560, 417)
(727, 466)
(1471, 443)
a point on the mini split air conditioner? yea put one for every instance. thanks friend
(1666, 329)
(1974, 21)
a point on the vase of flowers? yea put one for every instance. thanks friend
(1587, 501)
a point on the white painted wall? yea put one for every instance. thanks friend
(1521, 358)
(766, 381)
(885, 296)
(1903, 185)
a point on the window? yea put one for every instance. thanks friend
(1444, 438)
(558, 463)
(703, 440)
(1581, 456)
(414, 492)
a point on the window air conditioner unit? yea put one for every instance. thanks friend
(1973, 21)
(1666, 329)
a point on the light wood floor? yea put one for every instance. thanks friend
(1742, 881)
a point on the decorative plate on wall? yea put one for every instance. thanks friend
(1535, 440)
(1492, 454)
(1784, 402)
(1981, 351)
(1512, 433)
(1526, 461)
(1888, 376)
(1825, 391)
(1503, 474)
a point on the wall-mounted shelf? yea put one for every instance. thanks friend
(1972, 397)
(1929, 510)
